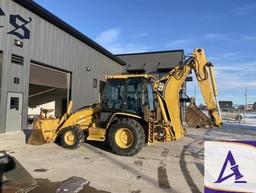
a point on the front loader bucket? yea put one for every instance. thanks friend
(44, 131)
(36, 137)
(195, 117)
(13, 176)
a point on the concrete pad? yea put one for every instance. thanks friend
(166, 167)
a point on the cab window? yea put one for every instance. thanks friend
(114, 94)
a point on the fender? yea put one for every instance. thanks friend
(122, 114)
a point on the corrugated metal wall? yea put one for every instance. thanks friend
(51, 46)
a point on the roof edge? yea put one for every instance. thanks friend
(153, 52)
(53, 19)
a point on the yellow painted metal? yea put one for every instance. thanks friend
(172, 99)
(43, 132)
(96, 134)
(46, 130)
(171, 84)
(213, 80)
(205, 85)
(217, 117)
(208, 86)
(69, 138)
(122, 114)
(124, 138)
(82, 118)
(125, 76)
(163, 112)
(168, 128)
(65, 116)
(70, 106)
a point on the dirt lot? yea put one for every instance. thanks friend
(166, 167)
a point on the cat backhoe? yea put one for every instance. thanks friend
(134, 110)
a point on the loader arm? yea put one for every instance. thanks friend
(168, 89)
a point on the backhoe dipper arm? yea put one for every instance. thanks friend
(207, 85)
(168, 89)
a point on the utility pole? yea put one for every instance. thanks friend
(246, 103)
(245, 95)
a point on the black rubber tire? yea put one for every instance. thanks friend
(79, 137)
(138, 134)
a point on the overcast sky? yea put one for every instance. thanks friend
(225, 29)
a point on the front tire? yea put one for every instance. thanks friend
(126, 137)
(71, 137)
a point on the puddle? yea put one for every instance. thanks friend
(41, 170)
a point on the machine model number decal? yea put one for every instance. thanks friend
(160, 87)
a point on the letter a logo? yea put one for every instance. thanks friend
(234, 169)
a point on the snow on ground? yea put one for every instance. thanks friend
(248, 122)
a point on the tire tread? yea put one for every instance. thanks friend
(79, 134)
(140, 132)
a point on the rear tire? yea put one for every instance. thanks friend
(126, 137)
(71, 137)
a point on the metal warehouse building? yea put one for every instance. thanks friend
(43, 59)
(155, 63)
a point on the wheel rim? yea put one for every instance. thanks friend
(124, 138)
(69, 138)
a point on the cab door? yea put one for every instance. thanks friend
(114, 95)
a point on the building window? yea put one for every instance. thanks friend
(102, 87)
(14, 103)
(95, 83)
(17, 59)
(16, 80)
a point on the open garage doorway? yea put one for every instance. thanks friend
(49, 88)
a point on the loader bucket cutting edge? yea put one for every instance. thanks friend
(36, 137)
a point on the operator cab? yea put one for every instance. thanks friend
(126, 95)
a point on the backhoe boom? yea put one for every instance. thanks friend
(168, 89)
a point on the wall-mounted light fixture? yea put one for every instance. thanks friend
(18, 43)
(88, 69)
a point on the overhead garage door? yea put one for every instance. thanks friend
(45, 76)
(48, 88)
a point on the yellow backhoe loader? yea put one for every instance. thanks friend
(135, 109)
